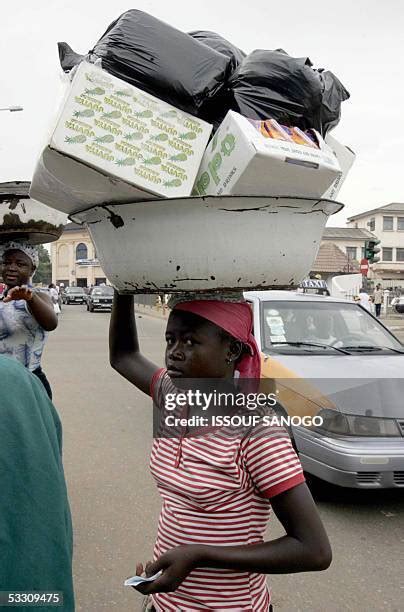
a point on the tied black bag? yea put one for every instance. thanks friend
(159, 59)
(163, 61)
(220, 44)
(272, 84)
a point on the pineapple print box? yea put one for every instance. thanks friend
(129, 134)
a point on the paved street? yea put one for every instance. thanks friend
(107, 439)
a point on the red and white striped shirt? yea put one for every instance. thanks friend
(216, 490)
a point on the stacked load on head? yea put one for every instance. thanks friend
(22, 218)
(131, 146)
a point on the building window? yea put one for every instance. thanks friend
(63, 255)
(388, 224)
(351, 252)
(363, 252)
(372, 224)
(400, 224)
(387, 254)
(81, 251)
(399, 254)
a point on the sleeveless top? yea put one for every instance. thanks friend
(21, 336)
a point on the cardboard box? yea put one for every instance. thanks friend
(346, 158)
(115, 143)
(241, 161)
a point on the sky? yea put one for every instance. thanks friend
(361, 41)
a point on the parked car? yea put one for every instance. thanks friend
(73, 295)
(331, 358)
(100, 298)
(398, 304)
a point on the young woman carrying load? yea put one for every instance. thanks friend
(217, 489)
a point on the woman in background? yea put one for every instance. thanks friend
(26, 315)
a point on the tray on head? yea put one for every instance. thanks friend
(208, 243)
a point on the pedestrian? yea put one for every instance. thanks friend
(364, 300)
(378, 299)
(217, 490)
(35, 523)
(26, 315)
(54, 295)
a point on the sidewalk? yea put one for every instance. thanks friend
(152, 311)
(393, 321)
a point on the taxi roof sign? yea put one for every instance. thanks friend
(313, 283)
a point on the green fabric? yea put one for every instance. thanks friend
(35, 522)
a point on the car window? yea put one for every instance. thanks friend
(327, 323)
(103, 291)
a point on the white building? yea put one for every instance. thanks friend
(74, 259)
(387, 223)
(350, 240)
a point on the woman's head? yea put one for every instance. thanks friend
(197, 348)
(19, 262)
(211, 339)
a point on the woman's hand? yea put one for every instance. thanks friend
(40, 305)
(19, 293)
(176, 565)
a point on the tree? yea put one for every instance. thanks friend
(43, 272)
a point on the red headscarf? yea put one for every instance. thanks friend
(236, 319)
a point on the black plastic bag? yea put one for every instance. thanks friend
(220, 44)
(272, 84)
(334, 93)
(215, 109)
(162, 60)
(67, 57)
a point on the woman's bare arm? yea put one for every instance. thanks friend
(304, 548)
(124, 351)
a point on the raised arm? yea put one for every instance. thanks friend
(124, 351)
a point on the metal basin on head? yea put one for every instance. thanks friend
(22, 218)
(211, 243)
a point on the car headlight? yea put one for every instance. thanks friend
(95, 300)
(354, 425)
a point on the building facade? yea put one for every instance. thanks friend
(74, 259)
(387, 224)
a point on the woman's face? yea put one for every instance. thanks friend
(17, 268)
(196, 348)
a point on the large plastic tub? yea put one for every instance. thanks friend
(212, 243)
(22, 218)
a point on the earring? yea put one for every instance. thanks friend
(229, 361)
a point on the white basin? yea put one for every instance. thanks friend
(26, 219)
(211, 243)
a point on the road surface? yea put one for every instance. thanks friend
(115, 505)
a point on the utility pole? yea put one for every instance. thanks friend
(12, 109)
